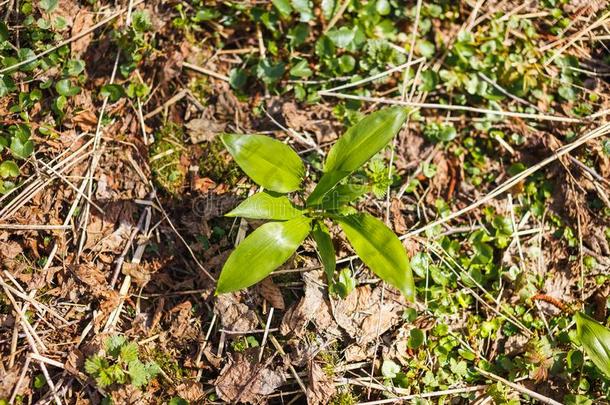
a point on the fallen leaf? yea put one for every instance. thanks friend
(271, 293)
(298, 316)
(85, 120)
(203, 129)
(243, 379)
(191, 391)
(8, 379)
(363, 315)
(321, 386)
(82, 22)
(398, 220)
(234, 315)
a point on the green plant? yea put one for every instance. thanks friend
(276, 167)
(595, 340)
(120, 364)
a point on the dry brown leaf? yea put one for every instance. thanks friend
(181, 324)
(245, 380)
(272, 293)
(137, 272)
(85, 120)
(400, 226)
(75, 362)
(10, 250)
(191, 391)
(8, 379)
(363, 316)
(321, 387)
(234, 315)
(82, 21)
(298, 316)
(203, 129)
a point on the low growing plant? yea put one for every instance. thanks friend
(120, 364)
(279, 170)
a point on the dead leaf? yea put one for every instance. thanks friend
(400, 226)
(75, 362)
(321, 386)
(234, 315)
(203, 129)
(246, 380)
(272, 293)
(10, 250)
(82, 22)
(85, 120)
(8, 379)
(191, 391)
(181, 324)
(363, 316)
(298, 316)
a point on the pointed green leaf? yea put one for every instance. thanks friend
(356, 146)
(264, 250)
(267, 161)
(326, 250)
(342, 195)
(595, 340)
(380, 250)
(266, 206)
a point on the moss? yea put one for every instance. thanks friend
(168, 364)
(343, 397)
(164, 158)
(217, 164)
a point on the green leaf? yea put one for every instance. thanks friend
(129, 352)
(6, 85)
(304, 7)
(9, 169)
(266, 206)
(425, 48)
(356, 146)
(4, 34)
(326, 250)
(177, 401)
(389, 369)
(48, 5)
(137, 373)
(283, 6)
(345, 284)
(265, 249)
(113, 344)
(595, 340)
(416, 338)
(267, 161)
(301, 69)
(21, 148)
(64, 88)
(238, 78)
(113, 91)
(343, 37)
(328, 8)
(94, 364)
(342, 195)
(380, 250)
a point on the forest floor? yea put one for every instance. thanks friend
(114, 185)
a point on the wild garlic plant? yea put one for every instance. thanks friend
(280, 171)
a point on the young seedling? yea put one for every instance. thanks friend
(279, 170)
(120, 364)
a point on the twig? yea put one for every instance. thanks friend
(451, 107)
(205, 71)
(519, 388)
(337, 15)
